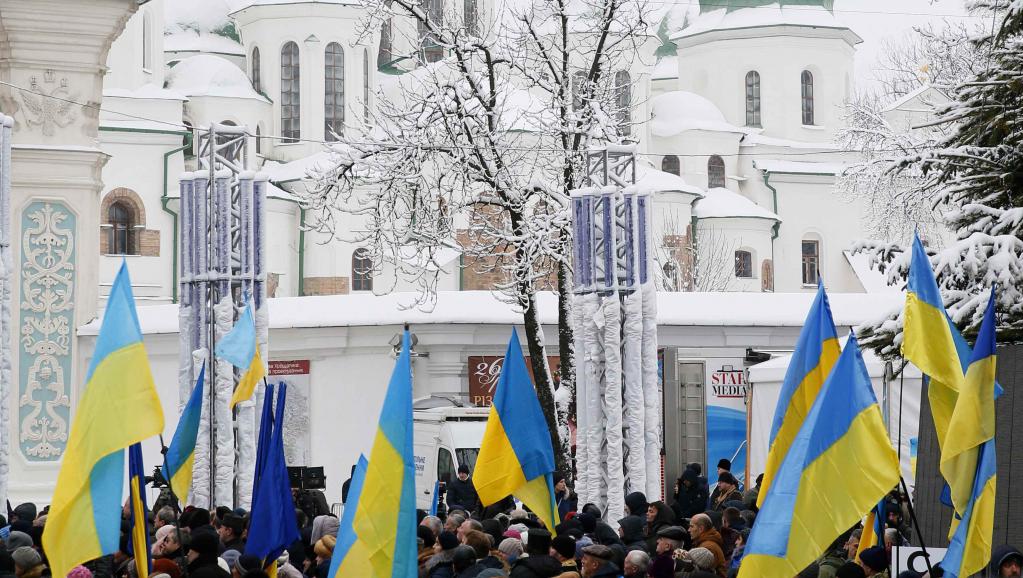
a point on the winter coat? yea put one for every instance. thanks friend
(569, 569)
(536, 567)
(608, 570)
(632, 533)
(827, 567)
(206, 567)
(286, 570)
(438, 565)
(462, 494)
(691, 500)
(729, 537)
(711, 540)
(719, 498)
(664, 518)
(567, 502)
(662, 566)
(749, 497)
(637, 504)
(1000, 553)
(37, 571)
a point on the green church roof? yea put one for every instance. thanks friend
(709, 5)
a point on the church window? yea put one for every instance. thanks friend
(122, 229)
(753, 98)
(434, 9)
(806, 82)
(715, 172)
(670, 164)
(744, 264)
(291, 128)
(384, 53)
(334, 91)
(257, 81)
(811, 261)
(362, 270)
(623, 102)
(147, 42)
(472, 24)
(259, 141)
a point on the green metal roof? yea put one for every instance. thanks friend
(709, 5)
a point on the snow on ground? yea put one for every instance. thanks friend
(723, 203)
(484, 307)
(207, 75)
(677, 111)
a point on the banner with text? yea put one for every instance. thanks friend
(484, 371)
(726, 416)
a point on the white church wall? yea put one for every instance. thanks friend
(731, 235)
(136, 56)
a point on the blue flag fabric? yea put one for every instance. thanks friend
(138, 538)
(273, 526)
(266, 425)
(346, 536)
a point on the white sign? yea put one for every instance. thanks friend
(913, 558)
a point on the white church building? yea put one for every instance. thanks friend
(735, 134)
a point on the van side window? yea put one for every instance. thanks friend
(445, 466)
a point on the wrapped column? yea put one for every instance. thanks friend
(6, 278)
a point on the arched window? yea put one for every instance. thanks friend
(744, 264)
(365, 83)
(362, 270)
(432, 52)
(122, 229)
(623, 102)
(334, 91)
(257, 81)
(147, 41)
(472, 24)
(384, 53)
(259, 141)
(806, 83)
(767, 275)
(753, 98)
(670, 164)
(578, 87)
(291, 128)
(811, 256)
(715, 172)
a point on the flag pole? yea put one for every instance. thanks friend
(916, 523)
(174, 505)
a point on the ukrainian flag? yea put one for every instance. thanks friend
(240, 348)
(180, 455)
(973, 420)
(840, 464)
(346, 538)
(384, 518)
(516, 457)
(118, 407)
(139, 536)
(873, 529)
(815, 354)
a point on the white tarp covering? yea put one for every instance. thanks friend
(766, 379)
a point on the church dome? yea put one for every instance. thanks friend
(207, 75)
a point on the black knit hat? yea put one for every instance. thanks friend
(875, 558)
(448, 540)
(725, 464)
(564, 545)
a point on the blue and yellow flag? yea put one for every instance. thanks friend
(973, 421)
(516, 457)
(873, 529)
(266, 428)
(240, 348)
(841, 451)
(346, 537)
(815, 354)
(180, 456)
(384, 520)
(273, 526)
(118, 407)
(139, 536)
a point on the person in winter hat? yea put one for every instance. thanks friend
(538, 562)
(563, 549)
(727, 490)
(23, 516)
(28, 563)
(439, 566)
(18, 539)
(596, 562)
(851, 570)
(658, 517)
(510, 549)
(690, 496)
(874, 561)
(668, 540)
(636, 504)
(630, 528)
(202, 556)
(461, 492)
(1006, 561)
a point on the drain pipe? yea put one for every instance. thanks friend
(774, 229)
(164, 200)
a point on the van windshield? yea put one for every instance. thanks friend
(467, 456)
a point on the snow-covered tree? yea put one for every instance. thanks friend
(703, 263)
(477, 149)
(976, 174)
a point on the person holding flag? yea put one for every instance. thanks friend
(381, 539)
(842, 449)
(971, 433)
(118, 407)
(516, 457)
(815, 354)
(240, 348)
(180, 456)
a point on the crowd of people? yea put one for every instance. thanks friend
(702, 533)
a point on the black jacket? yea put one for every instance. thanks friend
(536, 567)
(632, 533)
(690, 500)
(608, 570)
(206, 567)
(463, 494)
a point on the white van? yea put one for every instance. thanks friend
(447, 434)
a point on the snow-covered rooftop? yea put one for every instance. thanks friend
(665, 69)
(762, 16)
(242, 4)
(208, 75)
(754, 137)
(928, 94)
(205, 42)
(873, 281)
(650, 179)
(484, 307)
(719, 203)
(678, 111)
(298, 169)
(148, 90)
(799, 167)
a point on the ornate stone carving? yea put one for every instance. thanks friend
(49, 105)
(47, 320)
(296, 425)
